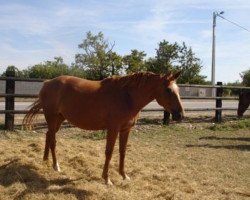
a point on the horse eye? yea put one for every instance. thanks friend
(168, 90)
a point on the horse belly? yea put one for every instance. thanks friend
(86, 121)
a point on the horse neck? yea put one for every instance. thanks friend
(144, 94)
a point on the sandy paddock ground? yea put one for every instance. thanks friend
(191, 160)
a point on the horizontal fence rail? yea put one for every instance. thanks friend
(182, 97)
(215, 86)
(20, 95)
(22, 79)
(143, 110)
(10, 96)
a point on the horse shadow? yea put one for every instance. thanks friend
(14, 172)
(240, 147)
(243, 139)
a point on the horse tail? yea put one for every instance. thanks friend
(33, 111)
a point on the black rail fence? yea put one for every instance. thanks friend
(10, 95)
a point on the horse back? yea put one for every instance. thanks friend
(87, 104)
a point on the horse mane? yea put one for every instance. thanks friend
(136, 79)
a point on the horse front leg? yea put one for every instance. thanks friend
(111, 138)
(123, 139)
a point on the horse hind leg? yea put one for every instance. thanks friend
(54, 122)
(47, 145)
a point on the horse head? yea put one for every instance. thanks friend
(243, 103)
(168, 96)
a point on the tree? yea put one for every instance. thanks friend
(18, 73)
(98, 60)
(173, 57)
(246, 78)
(75, 70)
(166, 55)
(135, 61)
(190, 66)
(48, 69)
(115, 63)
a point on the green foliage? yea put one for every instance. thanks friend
(246, 78)
(98, 61)
(51, 69)
(48, 69)
(74, 70)
(134, 62)
(190, 66)
(173, 57)
(166, 55)
(115, 63)
(15, 71)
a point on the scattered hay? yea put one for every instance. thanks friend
(170, 163)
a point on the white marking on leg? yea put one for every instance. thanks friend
(126, 178)
(57, 167)
(109, 182)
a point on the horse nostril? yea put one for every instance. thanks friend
(177, 116)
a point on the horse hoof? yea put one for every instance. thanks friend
(109, 182)
(126, 178)
(57, 167)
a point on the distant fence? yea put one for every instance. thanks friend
(10, 95)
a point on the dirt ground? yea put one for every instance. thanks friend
(190, 160)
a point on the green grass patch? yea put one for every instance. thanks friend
(81, 134)
(151, 121)
(98, 135)
(230, 126)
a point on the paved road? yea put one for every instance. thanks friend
(153, 105)
(198, 104)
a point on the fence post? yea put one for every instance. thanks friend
(9, 101)
(219, 92)
(166, 118)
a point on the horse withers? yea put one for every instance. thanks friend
(244, 102)
(112, 104)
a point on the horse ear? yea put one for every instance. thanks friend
(176, 75)
(168, 76)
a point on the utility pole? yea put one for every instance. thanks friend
(213, 50)
(215, 14)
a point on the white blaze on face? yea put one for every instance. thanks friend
(174, 87)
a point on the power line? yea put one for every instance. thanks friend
(234, 23)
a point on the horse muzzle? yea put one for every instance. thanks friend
(240, 113)
(177, 116)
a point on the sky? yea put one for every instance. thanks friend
(32, 32)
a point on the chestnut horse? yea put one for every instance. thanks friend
(112, 104)
(244, 102)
